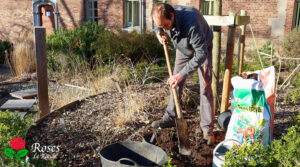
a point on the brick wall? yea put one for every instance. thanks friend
(16, 19)
(194, 3)
(265, 15)
(289, 16)
(70, 13)
(111, 13)
(259, 12)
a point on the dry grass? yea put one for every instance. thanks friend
(64, 95)
(81, 85)
(22, 59)
(131, 109)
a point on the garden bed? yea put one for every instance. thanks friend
(91, 124)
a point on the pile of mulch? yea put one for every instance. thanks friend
(89, 126)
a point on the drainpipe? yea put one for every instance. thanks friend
(36, 14)
(141, 16)
(56, 16)
(36, 18)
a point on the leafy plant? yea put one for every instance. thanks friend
(169, 164)
(293, 96)
(286, 150)
(290, 47)
(291, 42)
(13, 126)
(248, 155)
(296, 81)
(265, 49)
(78, 42)
(283, 152)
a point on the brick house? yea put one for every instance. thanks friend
(269, 18)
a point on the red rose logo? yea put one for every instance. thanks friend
(17, 143)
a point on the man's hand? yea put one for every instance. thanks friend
(162, 38)
(175, 80)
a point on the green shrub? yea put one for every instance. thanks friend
(5, 46)
(291, 47)
(78, 42)
(291, 42)
(12, 126)
(265, 49)
(284, 152)
(296, 81)
(134, 47)
(292, 96)
(248, 155)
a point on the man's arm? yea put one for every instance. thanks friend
(199, 44)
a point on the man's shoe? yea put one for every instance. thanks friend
(210, 137)
(163, 123)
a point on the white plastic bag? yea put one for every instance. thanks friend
(250, 120)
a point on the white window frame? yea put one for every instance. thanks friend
(133, 14)
(141, 20)
(163, 1)
(210, 7)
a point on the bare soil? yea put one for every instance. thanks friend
(90, 127)
(90, 124)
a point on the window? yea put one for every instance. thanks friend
(163, 1)
(132, 14)
(296, 19)
(207, 7)
(92, 10)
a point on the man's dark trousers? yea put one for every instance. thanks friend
(206, 97)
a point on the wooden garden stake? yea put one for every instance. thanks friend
(216, 56)
(41, 69)
(228, 68)
(241, 45)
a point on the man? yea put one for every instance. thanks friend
(192, 38)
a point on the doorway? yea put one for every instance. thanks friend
(47, 18)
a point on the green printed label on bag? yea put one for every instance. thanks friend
(249, 100)
(247, 131)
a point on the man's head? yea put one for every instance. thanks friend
(163, 15)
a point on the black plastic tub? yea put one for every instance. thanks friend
(132, 153)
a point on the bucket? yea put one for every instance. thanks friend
(224, 119)
(220, 151)
(132, 153)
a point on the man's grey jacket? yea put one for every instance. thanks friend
(191, 35)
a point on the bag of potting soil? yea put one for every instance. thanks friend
(267, 76)
(250, 120)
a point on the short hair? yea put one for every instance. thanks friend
(163, 9)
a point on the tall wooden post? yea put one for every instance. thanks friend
(216, 56)
(241, 45)
(41, 69)
(228, 69)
